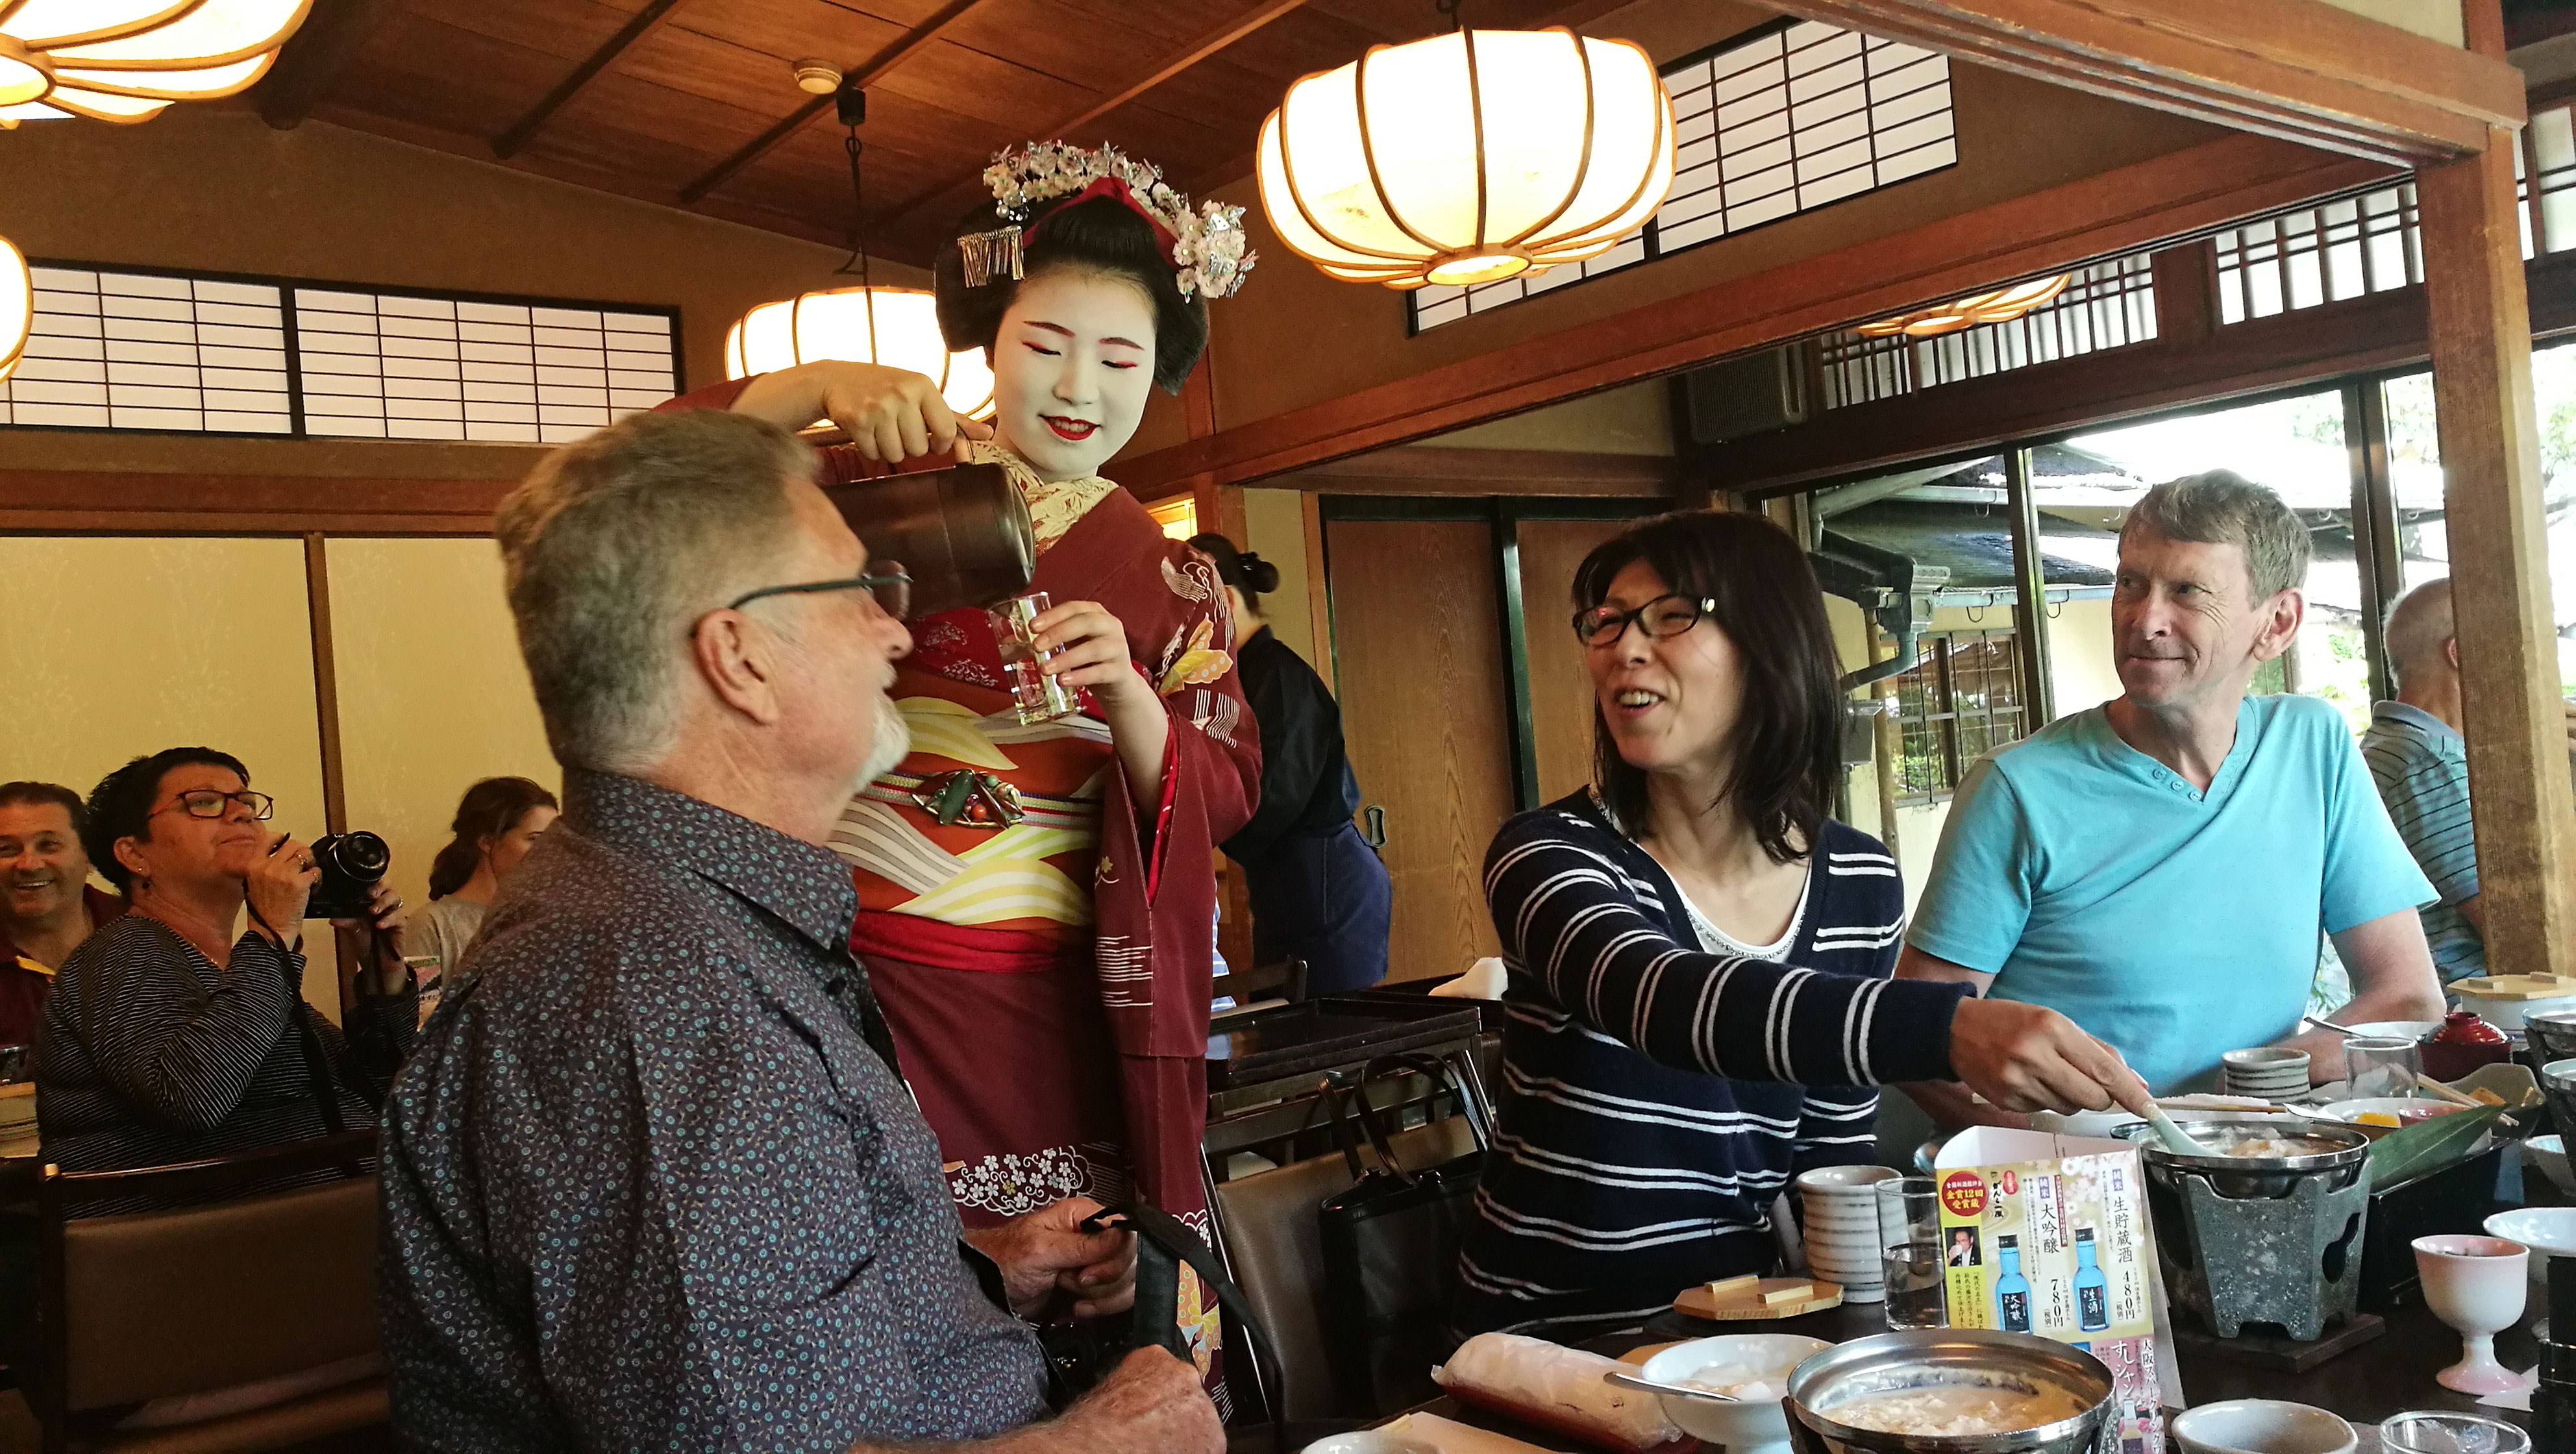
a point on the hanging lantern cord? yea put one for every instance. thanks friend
(1450, 8)
(859, 239)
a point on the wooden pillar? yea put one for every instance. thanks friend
(2480, 327)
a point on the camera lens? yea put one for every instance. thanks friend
(361, 857)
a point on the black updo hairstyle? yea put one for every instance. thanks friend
(1241, 569)
(1101, 235)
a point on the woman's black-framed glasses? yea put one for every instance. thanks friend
(1661, 617)
(888, 581)
(208, 803)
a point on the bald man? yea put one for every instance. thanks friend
(2421, 764)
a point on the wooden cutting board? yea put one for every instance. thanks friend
(1746, 1304)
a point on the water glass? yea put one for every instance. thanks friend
(2376, 1066)
(1909, 1235)
(1035, 696)
(2444, 1433)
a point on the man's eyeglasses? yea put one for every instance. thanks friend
(1661, 617)
(207, 803)
(889, 582)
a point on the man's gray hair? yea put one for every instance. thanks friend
(2418, 625)
(2223, 507)
(613, 545)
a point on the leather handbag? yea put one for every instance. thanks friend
(1390, 1246)
(1080, 1355)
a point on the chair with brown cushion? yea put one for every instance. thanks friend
(233, 1288)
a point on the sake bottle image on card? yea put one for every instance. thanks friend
(2012, 1290)
(2092, 1289)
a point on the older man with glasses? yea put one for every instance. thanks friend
(653, 1180)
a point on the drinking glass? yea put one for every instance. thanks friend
(2380, 1066)
(2442, 1433)
(1909, 1235)
(1035, 696)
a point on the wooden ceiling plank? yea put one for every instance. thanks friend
(864, 76)
(313, 58)
(910, 210)
(643, 23)
(2297, 67)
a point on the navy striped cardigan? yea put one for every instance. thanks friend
(1657, 1099)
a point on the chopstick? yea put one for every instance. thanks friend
(2426, 1082)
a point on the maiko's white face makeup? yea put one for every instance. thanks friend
(1071, 366)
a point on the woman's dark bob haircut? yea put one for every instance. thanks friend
(1100, 236)
(1788, 738)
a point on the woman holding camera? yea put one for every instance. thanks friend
(176, 1033)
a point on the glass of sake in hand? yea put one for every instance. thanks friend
(1035, 696)
(1909, 1232)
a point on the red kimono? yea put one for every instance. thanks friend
(1048, 981)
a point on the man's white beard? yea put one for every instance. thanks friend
(893, 741)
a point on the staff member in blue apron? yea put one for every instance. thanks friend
(1318, 891)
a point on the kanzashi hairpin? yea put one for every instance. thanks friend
(1206, 247)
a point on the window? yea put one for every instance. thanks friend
(407, 366)
(1960, 701)
(124, 349)
(114, 350)
(2371, 243)
(1788, 118)
(2108, 305)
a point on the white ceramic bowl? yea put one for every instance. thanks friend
(2394, 1029)
(1755, 1426)
(2547, 1231)
(1371, 1441)
(2262, 1426)
(2549, 1153)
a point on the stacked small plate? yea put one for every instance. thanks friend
(1838, 1206)
(2268, 1072)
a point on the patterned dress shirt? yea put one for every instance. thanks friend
(651, 1180)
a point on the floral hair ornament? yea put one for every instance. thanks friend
(1205, 247)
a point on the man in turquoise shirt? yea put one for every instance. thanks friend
(2157, 868)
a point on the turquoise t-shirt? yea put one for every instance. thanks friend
(2176, 925)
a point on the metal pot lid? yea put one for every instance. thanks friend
(2345, 1144)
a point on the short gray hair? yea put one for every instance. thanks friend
(2223, 507)
(2418, 624)
(614, 544)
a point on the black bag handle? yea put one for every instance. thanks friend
(1367, 1118)
(1158, 1285)
(1442, 1074)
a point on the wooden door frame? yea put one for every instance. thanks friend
(1501, 515)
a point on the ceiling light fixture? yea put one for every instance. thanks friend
(896, 327)
(817, 78)
(1468, 157)
(124, 60)
(17, 306)
(2000, 306)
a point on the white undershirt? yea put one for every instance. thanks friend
(1714, 940)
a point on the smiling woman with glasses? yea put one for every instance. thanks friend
(1699, 955)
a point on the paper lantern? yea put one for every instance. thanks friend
(1468, 157)
(896, 327)
(123, 60)
(17, 306)
(2000, 306)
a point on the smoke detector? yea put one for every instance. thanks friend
(818, 78)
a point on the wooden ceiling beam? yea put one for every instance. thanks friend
(2301, 70)
(332, 34)
(1187, 56)
(1439, 470)
(911, 43)
(2144, 204)
(642, 23)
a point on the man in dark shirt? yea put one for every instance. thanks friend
(653, 1180)
(47, 906)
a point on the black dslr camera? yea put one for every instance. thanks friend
(352, 864)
